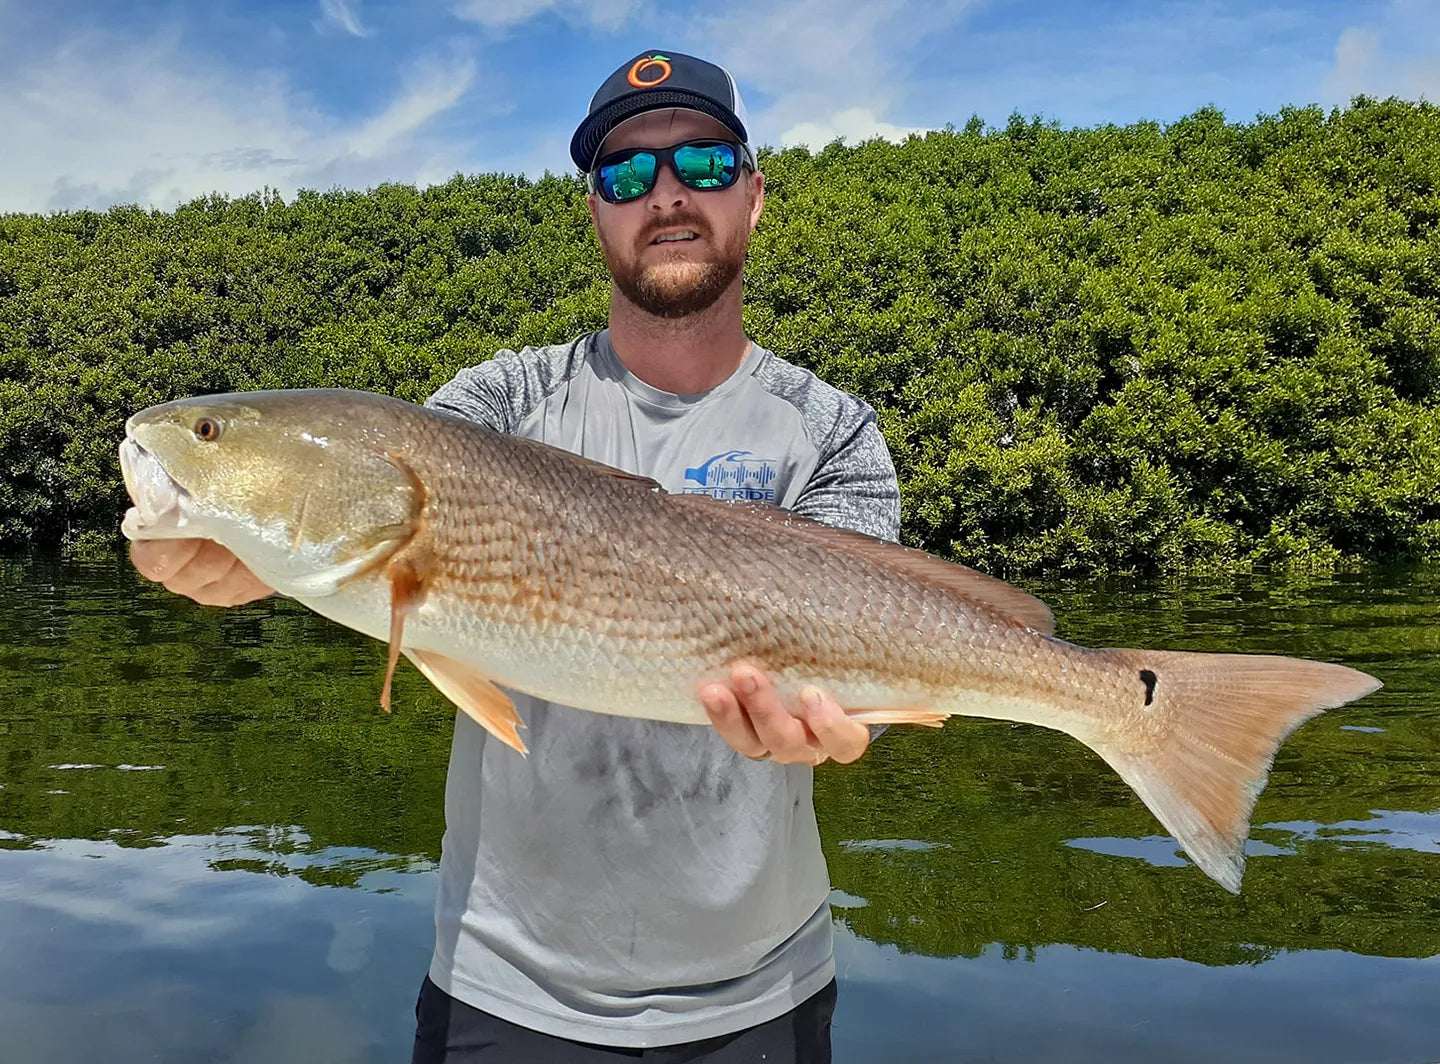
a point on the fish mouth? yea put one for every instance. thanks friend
(161, 507)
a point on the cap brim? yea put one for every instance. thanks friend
(592, 132)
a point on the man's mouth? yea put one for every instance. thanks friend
(679, 237)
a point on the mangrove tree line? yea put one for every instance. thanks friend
(1138, 348)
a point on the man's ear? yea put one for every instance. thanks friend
(757, 197)
(590, 199)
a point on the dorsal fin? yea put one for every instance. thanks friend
(594, 468)
(983, 590)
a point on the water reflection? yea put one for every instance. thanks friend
(180, 952)
(999, 893)
(1384, 827)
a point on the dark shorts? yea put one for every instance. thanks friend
(451, 1032)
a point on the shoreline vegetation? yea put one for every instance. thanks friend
(1206, 345)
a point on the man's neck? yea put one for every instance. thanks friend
(681, 355)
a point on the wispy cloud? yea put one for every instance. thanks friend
(431, 88)
(606, 15)
(1395, 54)
(107, 120)
(342, 15)
(827, 69)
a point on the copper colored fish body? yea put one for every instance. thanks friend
(492, 560)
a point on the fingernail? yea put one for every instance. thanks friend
(748, 683)
(810, 698)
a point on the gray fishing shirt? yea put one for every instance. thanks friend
(634, 882)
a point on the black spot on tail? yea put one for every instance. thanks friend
(1149, 679)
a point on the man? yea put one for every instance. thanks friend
(635, 888)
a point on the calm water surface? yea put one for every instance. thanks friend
(214, 847)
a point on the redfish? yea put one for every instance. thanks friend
(496, 562)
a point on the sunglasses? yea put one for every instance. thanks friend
(702, 165)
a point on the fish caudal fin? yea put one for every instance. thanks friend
(1218, 720)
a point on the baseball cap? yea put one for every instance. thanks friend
(653, 81)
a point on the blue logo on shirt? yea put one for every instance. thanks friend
(734, 475)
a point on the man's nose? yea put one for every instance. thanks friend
(668, 192)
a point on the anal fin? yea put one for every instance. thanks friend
(929, 718)
(474, 693)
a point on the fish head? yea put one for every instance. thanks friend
(302, 486)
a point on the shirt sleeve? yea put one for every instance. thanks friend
(854, 484)
(478, 393)
(500, 393)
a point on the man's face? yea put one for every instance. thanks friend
(676, 278)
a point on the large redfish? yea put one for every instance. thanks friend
(491, 560)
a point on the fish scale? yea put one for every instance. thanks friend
(489, 559)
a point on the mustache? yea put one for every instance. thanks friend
(680, 220)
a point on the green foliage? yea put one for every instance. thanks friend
(1108, 349)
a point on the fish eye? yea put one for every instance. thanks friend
(207, 429)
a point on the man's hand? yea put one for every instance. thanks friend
(749, 716)
(199, 569)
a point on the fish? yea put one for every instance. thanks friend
(496, 563)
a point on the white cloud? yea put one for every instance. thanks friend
(343, 16)
(606, 15)
(432, 88)
(854, 124)
(1397, 56)
(104, 120)
(827, 69)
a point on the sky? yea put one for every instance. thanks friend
(159, 101)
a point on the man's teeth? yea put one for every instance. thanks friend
(674, 236)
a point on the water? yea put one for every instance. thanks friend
(214, 847)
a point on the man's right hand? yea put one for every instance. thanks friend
(200, 569)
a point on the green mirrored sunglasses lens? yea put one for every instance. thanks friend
(626, 180)
(705, 166)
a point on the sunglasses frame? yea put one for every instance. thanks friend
(666, 157)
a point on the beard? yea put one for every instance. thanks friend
(678, 285)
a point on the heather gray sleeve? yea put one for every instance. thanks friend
(501, 392)
(854, 485)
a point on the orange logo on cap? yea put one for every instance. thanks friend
(643, 66)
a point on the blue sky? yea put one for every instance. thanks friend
(157, 101)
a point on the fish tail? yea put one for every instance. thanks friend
(1217, 720)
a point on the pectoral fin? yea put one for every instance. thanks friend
(407, 590)
(473, 692)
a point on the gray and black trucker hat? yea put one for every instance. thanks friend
(652, 81)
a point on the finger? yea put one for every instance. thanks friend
(209, 564)
(783, 735)
(237, 587)
(839, 736)
(199, 569)
(730, 721)
(159, 559)
(258, 589)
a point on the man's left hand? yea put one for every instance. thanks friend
(748, 714)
